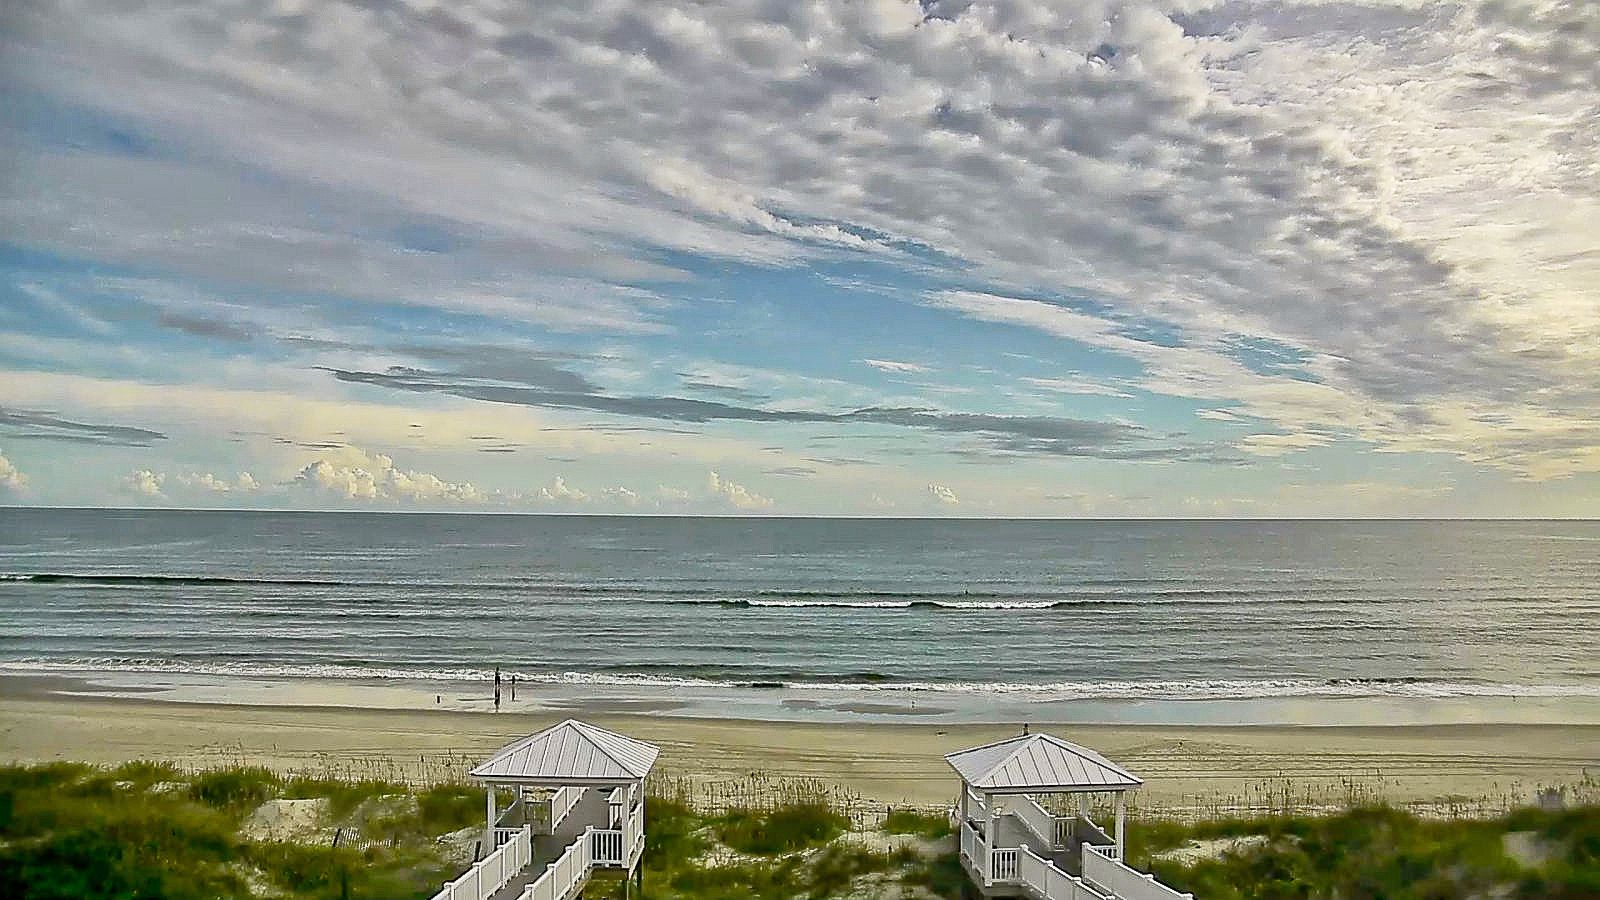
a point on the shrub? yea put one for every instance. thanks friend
(781, 830)
(449, 807)
(236, 788)
(942, 876)
(907, 821)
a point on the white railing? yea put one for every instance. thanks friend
(1046, 827)
(491, 873)
(615, 805)
(1103, 870)
(562, 878)
(501, 835)
(973, 850)
(634, 832)
(1046, 881)
(605, 847)
(976, 808)
(563, 802)
(622, 845)
(1003, 864)
(1064, 826)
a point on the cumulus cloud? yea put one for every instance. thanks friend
(557, 491)
(735, 495)
(12, 481)
(243, 483)
(355, 475)
(201, 487)
(146, 484)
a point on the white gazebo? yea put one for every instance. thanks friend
(578, 805)
(1011, 845)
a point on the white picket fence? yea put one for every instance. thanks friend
(1102, 869)
(491, 873)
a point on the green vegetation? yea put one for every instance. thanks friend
(147, 830)
(150, 830)
(780, 830)
(911, 821)
(1381, 852)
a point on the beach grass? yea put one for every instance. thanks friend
(151, 829)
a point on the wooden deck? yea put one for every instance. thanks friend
(591, 810)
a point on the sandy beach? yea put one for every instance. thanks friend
(1185, 767)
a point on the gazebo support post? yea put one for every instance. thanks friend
(488, 828)
(989, 839)
(1122, 817)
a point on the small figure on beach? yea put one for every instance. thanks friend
(496, 688)
(513, 687)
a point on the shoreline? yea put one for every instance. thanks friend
(800, 703)
(1187, 768)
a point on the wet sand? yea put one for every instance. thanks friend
(1187, 768)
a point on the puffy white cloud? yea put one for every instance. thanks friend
(12, 481)
(943, 495)
(671, 496)
(351, 474)
(146, 484)
(199, 487)
(557, 491)
(205, 482)
(734, 494)
(621, 496)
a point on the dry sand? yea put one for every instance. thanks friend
(1192, 768)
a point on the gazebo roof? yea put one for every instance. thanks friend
(1039, 762)
(571, 752)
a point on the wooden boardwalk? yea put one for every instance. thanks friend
(591, 810)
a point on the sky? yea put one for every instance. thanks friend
(991, 258)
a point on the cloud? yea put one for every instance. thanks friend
(1076, 384)
(146, 484)
(12, 481)
(1406, 192)
(735, 495)
(354, 475)
(1280, 444)
(45, 426)
(898, 368)
(1008, 434)
(942, 495)
(205, 482)
(558, 492)
(200, 487)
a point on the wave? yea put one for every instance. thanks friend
(112, 578)
(726, 678)
(978, 601)
(1098, 594)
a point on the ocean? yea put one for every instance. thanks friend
(835, 613)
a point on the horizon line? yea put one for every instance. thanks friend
(790, 516)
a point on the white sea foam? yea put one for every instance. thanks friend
(1199, 689)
